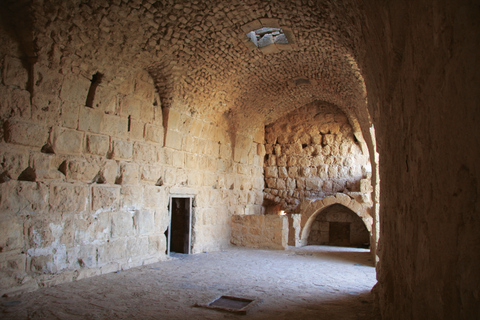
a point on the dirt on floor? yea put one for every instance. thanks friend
(313, 282)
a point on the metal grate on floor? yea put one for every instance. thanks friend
(231, 304)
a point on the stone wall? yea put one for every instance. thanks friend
(260, 231)
(312, 152)
(84, 189)
(421, 71)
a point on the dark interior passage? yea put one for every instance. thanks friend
(180, 225)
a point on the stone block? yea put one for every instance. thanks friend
(225, 151)
(313, 183)
(155, 197)
(291, 184)
(260, 136)
(67, 141)
(109, 253)
(122, 150)
(156, 243)
(129, 173)
(114, 126)
(282, 161)
(144, 89)
(11, 237)
(23, 197)
(151, 173)
(90, 119)
(154, 133)
(131, 198)
(328, 140)
(14, 73)
(137, 129)
(110, 171)
(173, 140)
(271, 172)
(26, 134)
(147, 113)
(144, 221)
(144, 152)
(75, 89)
(174, 120)
(69, 114)
(122, 224)
(130, 106)
(97, 144)
(105, 198)
(136, 247)
(81, 170)
(333, 172)
(12, 161)
(68, 198)
(196, 128)
(281, 185)
(191, 161)
(178, 159)
(15, 103)
(209, 132)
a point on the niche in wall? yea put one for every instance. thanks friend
(337, 225)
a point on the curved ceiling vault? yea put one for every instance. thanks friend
(198, 54)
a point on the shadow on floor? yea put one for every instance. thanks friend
(360, 257)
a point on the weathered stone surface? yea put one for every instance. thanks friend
(298, 153)
(90, 120)
(260, 231)
(68, 198)
(114, 126)
(129, 173)
(105, 198)
(80, 170)
(122, 150)
(13, 73)
(67, 141)
(173, 140)
(144, 152)
(27, 134)
(23, 197)
(154, 133)
(97, 144)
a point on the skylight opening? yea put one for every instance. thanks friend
(265, 36)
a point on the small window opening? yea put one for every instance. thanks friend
(96, 80)
(301, 81)
(265, 36)
(129, 123)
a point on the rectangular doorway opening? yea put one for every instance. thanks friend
(180, 229)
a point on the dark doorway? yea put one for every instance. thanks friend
(180, 225)
(339, 233)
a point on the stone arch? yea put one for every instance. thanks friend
(311, 208)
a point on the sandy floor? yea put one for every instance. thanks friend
(314, 282)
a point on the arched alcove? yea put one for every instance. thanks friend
(339, 226)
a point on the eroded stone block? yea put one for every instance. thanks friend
(122, 150)
(67, 141)
(26, 134)
(68, 198)
(105, 198)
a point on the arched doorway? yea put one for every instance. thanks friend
(338, 225)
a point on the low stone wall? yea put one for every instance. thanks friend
(260, 231)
